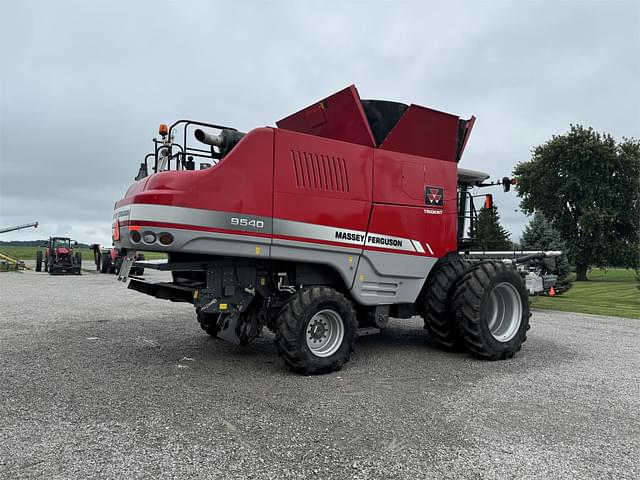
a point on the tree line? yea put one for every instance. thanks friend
(582, 190)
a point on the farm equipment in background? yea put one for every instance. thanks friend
(19, 227)
(109, 260)
(536, 268)
(59, 257)
(349, 212)
(9, 262)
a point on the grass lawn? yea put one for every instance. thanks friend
(612, 293)
(29, 253)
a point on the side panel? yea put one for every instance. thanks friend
(322, 196)
(387, 278)
(395, 273)
(425, 132)
(241, 182)
(195, 230)
(338, 117)
(402, 180)
(224, 210)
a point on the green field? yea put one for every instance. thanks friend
(29, 253)
(612, 293)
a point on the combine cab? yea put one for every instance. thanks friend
(59, 257)
(349, 212)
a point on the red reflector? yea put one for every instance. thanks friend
(552, 292)
(115, 233)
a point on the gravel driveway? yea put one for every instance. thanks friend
(103, 382)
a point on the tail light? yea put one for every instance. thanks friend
(115, 232)
(165, 238)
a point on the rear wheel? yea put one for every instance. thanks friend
(492, 310)
(38, 261)
(316, 331)
(105, 262)
(439, 319)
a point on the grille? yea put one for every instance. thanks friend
(320, 172)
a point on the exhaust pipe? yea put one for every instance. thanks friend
(226, 140)
(207, 138)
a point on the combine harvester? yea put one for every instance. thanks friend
(8, 262)
(349, 212)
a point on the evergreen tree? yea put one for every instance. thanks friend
(491, 235)
(540, 235)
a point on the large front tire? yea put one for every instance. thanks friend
(316, 331)
(439, 319)
(492, 310)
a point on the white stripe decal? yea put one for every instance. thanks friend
(429, 247)
(418, 246)
(229, 221)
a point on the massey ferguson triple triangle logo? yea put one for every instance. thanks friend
(434, 196)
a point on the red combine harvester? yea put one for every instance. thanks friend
(349, 212)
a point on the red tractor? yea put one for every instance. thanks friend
(59, 257)
(109, 260)
(349, 212)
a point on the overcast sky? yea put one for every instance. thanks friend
(84, 84)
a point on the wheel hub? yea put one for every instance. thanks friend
(505, 312)
(317, 331)
(324, 333)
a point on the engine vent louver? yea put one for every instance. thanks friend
(320, 172)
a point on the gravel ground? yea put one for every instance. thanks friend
(103, 382)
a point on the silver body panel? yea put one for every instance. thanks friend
(373, 277)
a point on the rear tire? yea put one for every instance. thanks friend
(105, 262)
(316, 331)
(439, 319)
(492, 310)
(38, 261)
